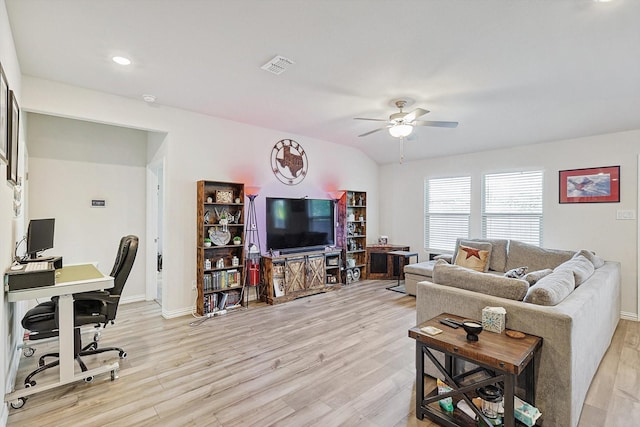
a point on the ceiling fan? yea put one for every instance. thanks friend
(401, 124)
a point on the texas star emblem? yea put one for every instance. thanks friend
(289, 161)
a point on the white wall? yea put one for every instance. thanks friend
(73, 162)
(566, 226)
(11, 228)
(202, 147)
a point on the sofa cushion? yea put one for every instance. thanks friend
(580, 267)
(424, 268)
(489, 284)
(551, 289)
(536, 258)
(534, 276)
(464, 256)
(591, 256)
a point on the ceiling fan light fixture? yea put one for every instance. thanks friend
(400, 130)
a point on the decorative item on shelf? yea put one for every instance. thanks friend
(237, 240)
(235, 261)
(238, 200)
(220, 263)
(224, 196)
(207, 217)
(207, 264)
(355, 274)
(351, 262)
(383, 240)
(209, 199)
(360, 200)
(219, 237)
(351, 217)
(207, 242)
(361, 218)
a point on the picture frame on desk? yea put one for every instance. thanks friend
(12, 136)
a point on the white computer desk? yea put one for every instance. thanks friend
(69, 280)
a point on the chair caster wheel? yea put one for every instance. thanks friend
(88, 379)
(28, 351)
(18, 403)
(123, 355)
(29, 384)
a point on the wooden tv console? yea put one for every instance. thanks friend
(300, 274)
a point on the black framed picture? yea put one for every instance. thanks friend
(12, 135)
(4, 112)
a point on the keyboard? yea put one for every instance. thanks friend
(37, 266)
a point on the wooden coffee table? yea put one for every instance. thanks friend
(500, 360)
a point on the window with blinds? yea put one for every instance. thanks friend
(447, 212)
(512, 206)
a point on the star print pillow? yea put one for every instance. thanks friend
(474, 258)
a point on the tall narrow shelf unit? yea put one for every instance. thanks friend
(219, 263)
(351, 234)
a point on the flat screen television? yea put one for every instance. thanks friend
(295, 225)
(39, 236)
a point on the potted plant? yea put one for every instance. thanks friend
(237, 240)
(207, 242)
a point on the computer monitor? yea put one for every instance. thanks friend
(39, 236)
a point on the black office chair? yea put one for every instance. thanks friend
(90, 308)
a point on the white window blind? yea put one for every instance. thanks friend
(447, 211)
(512, 206)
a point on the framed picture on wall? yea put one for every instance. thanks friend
(4, 106)
(590, 185)
(14, 126)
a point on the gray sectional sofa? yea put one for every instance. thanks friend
(572, 302)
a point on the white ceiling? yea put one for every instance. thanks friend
(511, 72)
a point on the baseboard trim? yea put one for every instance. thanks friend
(177, 313)
(133, 298)
(629, 316)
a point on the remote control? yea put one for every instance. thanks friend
(449, 324)
(455, 322)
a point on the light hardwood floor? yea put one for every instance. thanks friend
(341, 358)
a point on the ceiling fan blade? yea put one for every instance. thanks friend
(373, 131)
(435, 124)
(418, 112)
(375, 120)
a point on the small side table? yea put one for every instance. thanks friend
(406, 255)
(501, 358)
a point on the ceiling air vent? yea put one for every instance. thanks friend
(277, 65)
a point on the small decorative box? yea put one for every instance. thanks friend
(493, 319)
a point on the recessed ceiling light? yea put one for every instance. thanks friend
(121, 60)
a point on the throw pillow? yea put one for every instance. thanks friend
(591, 256)
(472, 258)
(534, 276)
(551, 289)
(580, 267)
(517, 273)
(485, 246)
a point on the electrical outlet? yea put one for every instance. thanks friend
(625, 214)
(193, 285)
